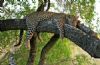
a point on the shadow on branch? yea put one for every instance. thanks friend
(80, 37)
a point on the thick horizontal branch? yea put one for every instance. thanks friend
(79, 37)
(12, 24)
(88, 43)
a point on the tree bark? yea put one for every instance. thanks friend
(12, 24)
(1, 3)
(32, 53)
(88, 43)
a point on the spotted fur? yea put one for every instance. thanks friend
(33, 19)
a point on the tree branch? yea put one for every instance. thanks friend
(88, 43)
(12, 24)
(80, 37)
(1, 3)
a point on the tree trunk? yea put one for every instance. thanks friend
(82, 38)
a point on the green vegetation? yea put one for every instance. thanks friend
(61, 53)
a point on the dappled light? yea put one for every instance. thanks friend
(59, 32)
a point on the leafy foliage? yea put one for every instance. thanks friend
(19, 8)
(85, 8)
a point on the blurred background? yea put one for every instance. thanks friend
(63, 53)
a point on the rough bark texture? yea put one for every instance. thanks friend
(32, 52)
(12, 24)
(1, 3)
(90, 44)
(47, 47)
